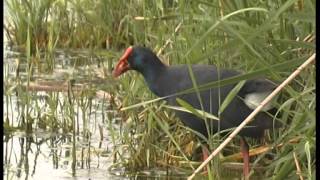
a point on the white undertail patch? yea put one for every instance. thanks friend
(253, 100)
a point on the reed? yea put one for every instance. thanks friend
(256, 37)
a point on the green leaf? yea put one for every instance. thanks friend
(301, 16)
(230, 96)
(215, 25)
(195, 111)
(141, 104)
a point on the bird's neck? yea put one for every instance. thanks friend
(151, 75)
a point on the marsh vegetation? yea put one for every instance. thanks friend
(59, 92)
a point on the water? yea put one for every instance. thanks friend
(45, 153)
(44, 150)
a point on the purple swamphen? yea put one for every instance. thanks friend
(165, 80)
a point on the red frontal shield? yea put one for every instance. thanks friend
(123, 64)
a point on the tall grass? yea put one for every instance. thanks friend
(243, 35)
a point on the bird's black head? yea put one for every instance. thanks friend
(137, 58)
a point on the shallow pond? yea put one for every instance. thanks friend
(41, 111)
(44, 150)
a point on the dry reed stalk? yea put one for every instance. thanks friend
(297, 165)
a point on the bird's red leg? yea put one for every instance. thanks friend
(245, 154)
(205, 155)
(205, 152)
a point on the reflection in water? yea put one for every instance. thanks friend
(40, 124)
(63, 124)
(38, 154)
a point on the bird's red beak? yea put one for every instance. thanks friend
(123, 64)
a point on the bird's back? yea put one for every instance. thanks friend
(177, 78)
